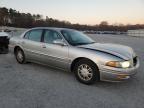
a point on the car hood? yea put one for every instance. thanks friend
(121, 51)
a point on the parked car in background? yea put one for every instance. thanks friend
(4, 41)
(74, 51)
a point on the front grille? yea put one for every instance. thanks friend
(134, 61)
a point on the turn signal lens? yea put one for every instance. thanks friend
(112, 64)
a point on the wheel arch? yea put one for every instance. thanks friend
(83, 58)
(16, 47)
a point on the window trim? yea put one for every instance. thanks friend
(30, 32)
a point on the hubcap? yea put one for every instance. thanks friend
(85, 72)
(20, 56)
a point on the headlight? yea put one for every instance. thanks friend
(124, 64)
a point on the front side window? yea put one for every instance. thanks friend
(76, 38)
(34, 35)
(50, 36)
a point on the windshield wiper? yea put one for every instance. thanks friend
(84, 43)
(92, 42)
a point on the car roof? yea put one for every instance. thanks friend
(52, 28)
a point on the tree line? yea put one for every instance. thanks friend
(14, 18)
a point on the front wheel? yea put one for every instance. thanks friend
(20, 57)
(86, 72)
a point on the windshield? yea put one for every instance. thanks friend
(76, 38)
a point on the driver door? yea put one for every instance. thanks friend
(55, 55)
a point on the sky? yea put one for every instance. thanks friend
(83, 11)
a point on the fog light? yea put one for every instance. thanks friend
(123, 76)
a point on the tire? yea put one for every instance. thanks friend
(86, 72)
(20, 56)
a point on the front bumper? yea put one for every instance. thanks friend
(117, 74)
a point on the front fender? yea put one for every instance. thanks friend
(98, 57)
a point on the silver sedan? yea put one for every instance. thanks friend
(73, 51)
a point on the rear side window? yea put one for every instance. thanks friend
(34, 35)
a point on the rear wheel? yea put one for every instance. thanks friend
(86, 71)
(20, 57)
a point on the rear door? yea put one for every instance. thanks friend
(32, 44)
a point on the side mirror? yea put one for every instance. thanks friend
(59, 42)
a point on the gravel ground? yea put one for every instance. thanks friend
(36, 86)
